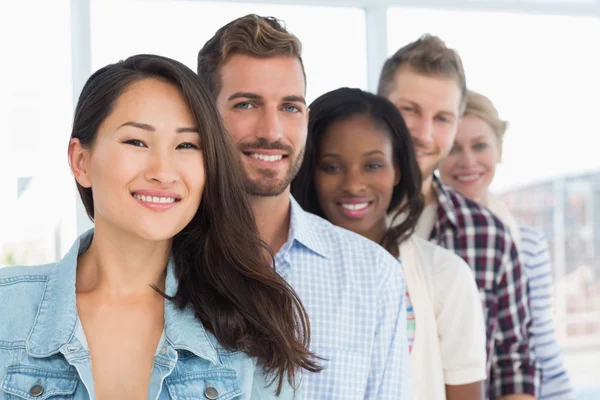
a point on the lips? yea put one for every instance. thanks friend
(156, 200)
(468, 178)
(267, 158)
(355, 208)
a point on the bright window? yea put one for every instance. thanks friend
(37, 202)
(179, 29)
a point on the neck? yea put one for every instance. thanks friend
(119, 264)
(427, 190)
(272, 215)
(377, 231)
(376, 235)
(484, 199)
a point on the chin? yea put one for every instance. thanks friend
(157, 232)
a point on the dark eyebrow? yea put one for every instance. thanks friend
(450, 113)
(405, 100)
(298, 99)
(372, 152)
(330, 155)
(245, 95)
(150, 128)
(254, 96)
(138, 125)
(190, 129)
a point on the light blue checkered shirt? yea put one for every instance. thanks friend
(353, 291)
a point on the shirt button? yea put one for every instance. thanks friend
(36, 390)
(163, 351)
(211, 393)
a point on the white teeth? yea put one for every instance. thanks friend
(355, 207)
(154, 199)
(266, 158)
(467, 178)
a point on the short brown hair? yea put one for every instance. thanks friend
(429, 56)
(251, 35)
(481, 107)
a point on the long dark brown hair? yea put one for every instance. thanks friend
(220, 260)
(345, 103)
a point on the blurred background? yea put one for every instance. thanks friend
(538, 60)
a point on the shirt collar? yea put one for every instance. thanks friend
(57, 316)
(446, 210)
(305, 233)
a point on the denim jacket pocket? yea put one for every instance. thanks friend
(38, 384)
(214, 385)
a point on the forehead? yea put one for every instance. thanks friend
(358, 133)
(433, 92)
(268, 77)
(151, 99)
(472, 127)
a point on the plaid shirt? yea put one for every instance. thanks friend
(484, 243)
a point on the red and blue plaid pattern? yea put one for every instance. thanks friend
(478, 237)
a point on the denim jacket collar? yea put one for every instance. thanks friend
(56, 320)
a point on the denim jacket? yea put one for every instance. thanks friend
(44, 354)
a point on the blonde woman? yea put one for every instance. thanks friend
(470, 169)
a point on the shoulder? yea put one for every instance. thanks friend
(478, 222)
(470, 211)
(355, 257)
(443, 265)
(18, 273)
(21, 288)
(531, 236)
(350, 243)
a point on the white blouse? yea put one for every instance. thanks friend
(449, 346)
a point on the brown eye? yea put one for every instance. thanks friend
(331, 168)
(135, 142)
(188, 145)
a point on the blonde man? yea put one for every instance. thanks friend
(426, 82)
(352, 289)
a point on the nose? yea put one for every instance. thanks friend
(422, 130)
(162, 167)
(466, 159)
(271, 127)
(354, 182)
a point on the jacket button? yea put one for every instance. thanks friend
(36, 390)
(211, 393)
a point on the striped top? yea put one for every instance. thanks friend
(555, 384)
(411, 323)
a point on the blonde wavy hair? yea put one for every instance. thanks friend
(482, 107)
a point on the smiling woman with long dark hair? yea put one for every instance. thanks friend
(360, 172)
(173, 294)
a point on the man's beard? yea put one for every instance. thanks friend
(430, 167)
(267, 185)
(428, 171)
